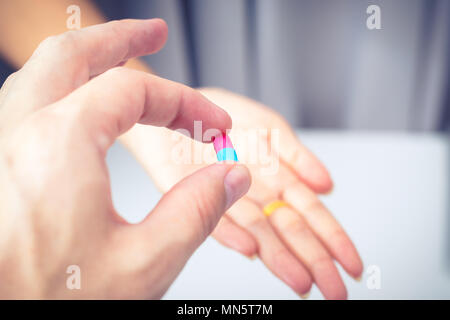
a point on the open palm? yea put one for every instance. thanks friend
(299, 242)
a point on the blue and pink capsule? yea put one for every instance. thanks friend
(224, 149)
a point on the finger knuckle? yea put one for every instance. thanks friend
(280, 254)
(295, 227)
(308, 202)
(256, 222)
(296, 188)
(58, 45)
(321, 260)
(205, 208)
(48, 44)
(312, 205)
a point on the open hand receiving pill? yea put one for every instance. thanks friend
(281, 219)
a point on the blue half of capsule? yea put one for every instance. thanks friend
(227, 154)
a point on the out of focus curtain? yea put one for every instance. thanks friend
(315, 61)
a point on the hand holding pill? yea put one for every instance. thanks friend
(73, 118)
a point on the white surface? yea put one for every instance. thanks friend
(391, 194)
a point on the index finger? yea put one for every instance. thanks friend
(64, 62)
(113, 102)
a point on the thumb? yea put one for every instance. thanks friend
(189, 211)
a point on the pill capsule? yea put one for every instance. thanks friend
(224, 148)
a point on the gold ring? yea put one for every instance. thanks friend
(274, 205)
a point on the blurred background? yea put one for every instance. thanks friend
(373, 104)
(315, 61)
(391, 195)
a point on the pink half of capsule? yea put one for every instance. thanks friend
(221, 142)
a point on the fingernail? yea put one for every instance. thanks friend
(252, 257)
(306, 295)
(236, 182)
(358, 278)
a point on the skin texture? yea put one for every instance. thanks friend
(300, 244)
(55, 199)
